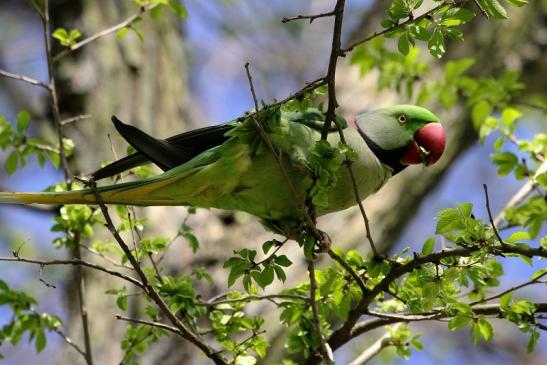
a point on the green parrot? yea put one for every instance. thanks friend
(229, 166)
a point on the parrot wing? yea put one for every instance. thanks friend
(167, 153)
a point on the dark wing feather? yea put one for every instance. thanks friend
(167, 153)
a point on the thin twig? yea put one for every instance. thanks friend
(53, 94)
(149, 289)
(67, 339)
(485, 309)
(510, 290)
(24, 78)
(40, 272)
(216, 301)
(80, 279)
(75, 119)
(331, 71)
(36, 8)
(163, 326)
(374, 349)
(396, 26)
(18, 258)
(324, 349)
(272, 255)
(104, 32)
(483, 12)
(310, 17)
(487, 201)
(348, 268)
(330, 116)
(104, 257)
(524, 190)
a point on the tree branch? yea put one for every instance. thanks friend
(373, 350)
(163, 326)
(310, 17)
(149, 289)
(24, 78)
(343, 334)
(395, 27)
(487, 201)
(53, 94)
(486, 309)
(324, 349)
(18, 258)
(216, 300)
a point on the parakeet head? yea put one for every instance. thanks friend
(402, 135)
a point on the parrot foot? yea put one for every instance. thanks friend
(295, 230)
(323, 245)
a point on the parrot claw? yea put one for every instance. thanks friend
(323, 245)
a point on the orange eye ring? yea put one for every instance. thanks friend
(401, 119)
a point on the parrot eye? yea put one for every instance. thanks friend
(401, 118)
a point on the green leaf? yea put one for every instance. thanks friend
(509, 116)
(10, 164)
(122, 33)
(403, 44)
(283, 260)
(505, 162)
(494, 8)
(178, 9)
(266, 246)
(532, 341)
(23, 120)
(541, 272)
(523, 306)
(518, 236)
(505, 300)
(456, 16)
(280, 273)
(121, 302)
(518, 3)
(428, 246)
(458, 322)
(266, 277)
(480, 111)
(436, 44)
(485, 328)
(60, 34)
(40, 341)
(451, 218)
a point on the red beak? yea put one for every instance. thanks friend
(427, 146)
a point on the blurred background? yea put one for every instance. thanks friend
(186, 74)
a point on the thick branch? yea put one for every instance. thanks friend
(344, 333)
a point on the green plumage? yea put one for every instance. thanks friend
(240, 173)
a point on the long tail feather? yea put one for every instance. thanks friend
(134, 193)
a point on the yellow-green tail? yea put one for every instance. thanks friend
(68, 197)
(132, 193)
